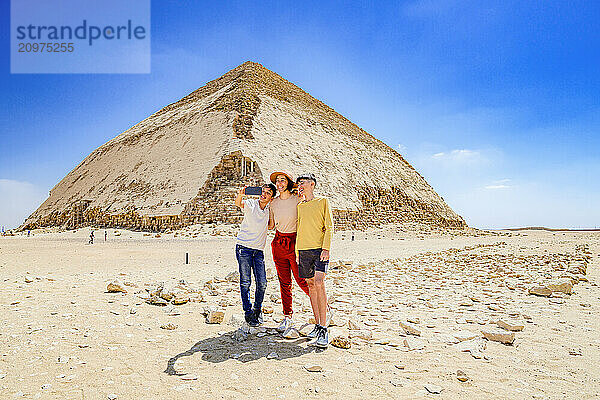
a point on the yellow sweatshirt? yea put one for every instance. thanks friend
(315, 225)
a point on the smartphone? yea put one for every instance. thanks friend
(253, 191)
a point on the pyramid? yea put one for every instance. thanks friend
(183, 164)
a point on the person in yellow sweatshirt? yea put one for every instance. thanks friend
(313, 242)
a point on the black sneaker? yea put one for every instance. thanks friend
(256, 319)
(248, 316)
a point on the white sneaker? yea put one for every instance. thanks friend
(314, 333)
(285, 325)
(322, 340)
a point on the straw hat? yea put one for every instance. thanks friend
(274, 176)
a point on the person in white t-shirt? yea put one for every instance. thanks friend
(249, 250)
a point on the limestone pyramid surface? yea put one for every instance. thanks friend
(183, 164)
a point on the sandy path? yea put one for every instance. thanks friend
(63, 337)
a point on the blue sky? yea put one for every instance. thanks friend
(495, 103)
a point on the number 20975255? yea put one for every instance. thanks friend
(45, 47)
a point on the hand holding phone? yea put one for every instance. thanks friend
(253, 191)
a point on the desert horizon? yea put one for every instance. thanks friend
(411, 304)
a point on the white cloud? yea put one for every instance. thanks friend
(460, 157)
(18, 200)
(401, 148)
(496, 187)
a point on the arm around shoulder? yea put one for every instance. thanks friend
(271, 220)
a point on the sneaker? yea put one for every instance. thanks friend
(254, 320)
(248, 316)
(322, 340)
(285, 324)
(258, 314)
(314, 333)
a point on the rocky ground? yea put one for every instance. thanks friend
(495, 315)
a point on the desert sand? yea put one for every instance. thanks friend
(64, 336)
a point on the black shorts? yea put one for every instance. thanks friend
(310, 261)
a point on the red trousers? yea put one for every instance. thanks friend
(284, 256)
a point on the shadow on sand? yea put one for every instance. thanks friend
(226, 347)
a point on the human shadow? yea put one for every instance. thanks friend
(226, 347)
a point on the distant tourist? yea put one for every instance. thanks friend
(284, 218)
(91, 241)
(315, 229)
(249, 250)
(105, 235)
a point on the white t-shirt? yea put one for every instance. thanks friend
(253, 231)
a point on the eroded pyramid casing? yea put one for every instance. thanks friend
(183, 164)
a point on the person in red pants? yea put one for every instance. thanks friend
(284, 218)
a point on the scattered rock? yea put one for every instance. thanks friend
(157, 301)
(233, 277)
(473, 346)
(169, 326)
(465, 302)
(116, 286)
(353, 325)
(461, 336)
(396, 382)
(497, 335)
(540, 291)
(180, 299)
(434, 389)
(267, 309)
(409, 328)
(414, 344)
(461, 376)
(564, 285)
(167, 292)
(189, 377)
(342, 342)
(237, 320)
(510, 326)
(272, 355)
(361, 334)
(215, 317)
(313, 368)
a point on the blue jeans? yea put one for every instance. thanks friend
(251, 261)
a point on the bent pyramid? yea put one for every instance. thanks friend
(183, 164)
